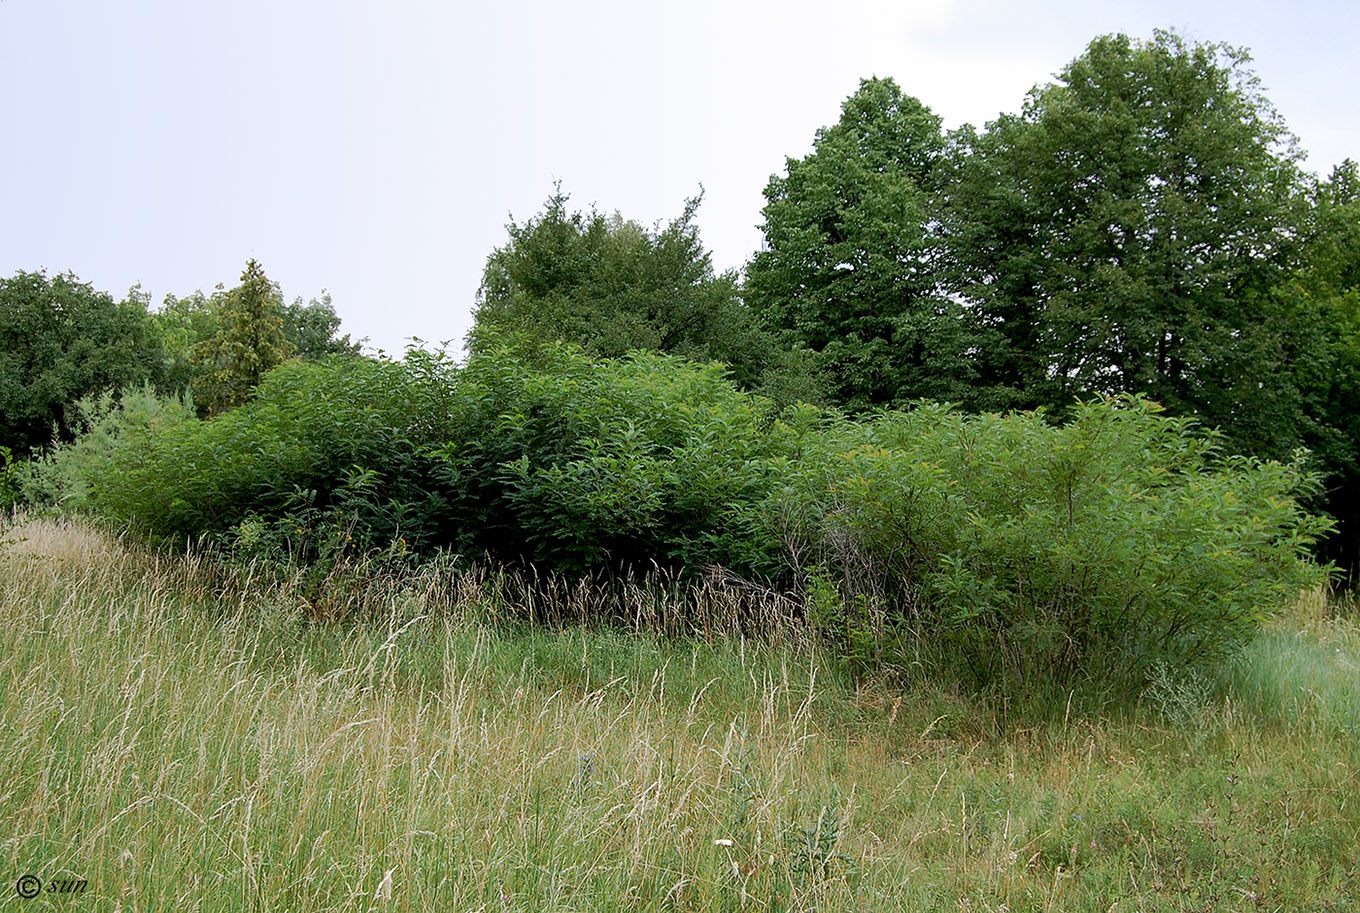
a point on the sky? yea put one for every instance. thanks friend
(378, 150)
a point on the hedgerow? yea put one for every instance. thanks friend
(1007, 545)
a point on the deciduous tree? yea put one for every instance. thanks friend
(612, 286)
(1122, 234)
(849, 266)
(61, 340)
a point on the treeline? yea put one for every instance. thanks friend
(62, 341)
(1137, 305)
(1143, 226)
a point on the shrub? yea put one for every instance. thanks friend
(340, 435)
(531, 452)
(106, 427)
(583, 463)
(1021, 548)
(1009, 545)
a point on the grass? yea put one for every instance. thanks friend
(181, 746)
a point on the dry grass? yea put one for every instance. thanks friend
(182, 749)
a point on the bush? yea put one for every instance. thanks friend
(530, 453)
(1017, 549)
(1096, 548)
(585, 463)
(106, 428)
(340, 436)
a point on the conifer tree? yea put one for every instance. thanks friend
(249, 342)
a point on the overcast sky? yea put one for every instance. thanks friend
(377, 150)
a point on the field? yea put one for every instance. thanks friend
(168, 743)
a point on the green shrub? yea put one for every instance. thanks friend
(584, 463)
(343, 435)
(1017, 549)
(531, 452)
(107, 428)
(1020, 548)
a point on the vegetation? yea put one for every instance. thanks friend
(1018, 549)
(964, 555)
(850, 268)
(1120, 234)
(1036, 554)
(1141, 227)
(183, 740)
(612, 287)
(60, 340)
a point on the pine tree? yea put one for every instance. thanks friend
(249, 342)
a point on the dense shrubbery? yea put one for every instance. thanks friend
(106, 426)
(1100, 546)
(339, 438)
(1005, 544)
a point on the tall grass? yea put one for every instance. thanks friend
(181, 744)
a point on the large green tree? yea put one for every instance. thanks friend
(849, 268)
(249, 341)
(1123, 233)
(612, 286)
(313, 329)
(61, 340)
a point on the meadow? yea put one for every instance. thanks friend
(177, 737)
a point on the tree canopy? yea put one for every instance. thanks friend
(61, 340)
(1121, 234)
(849, 267)
(612, 286)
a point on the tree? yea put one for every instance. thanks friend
(249, 341)
(60, 340)
(1324, 354)
(182, 324)
(313, 329)
(612, 286)
(1123, 233)
(186, 324)
(849, 266)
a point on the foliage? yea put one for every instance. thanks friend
(192, 322)
(61, 340)
(849, 267)
(312, 329)
(248, 342)
(341, 434)
(181, 325)
(1324, 351)
(108, 429)
(1122, 233)
(9, 485)
(583, 463)
(612, 287)
(531, 452)
(1009, 544)
(1022, 549)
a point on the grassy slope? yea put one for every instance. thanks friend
(184, 754)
